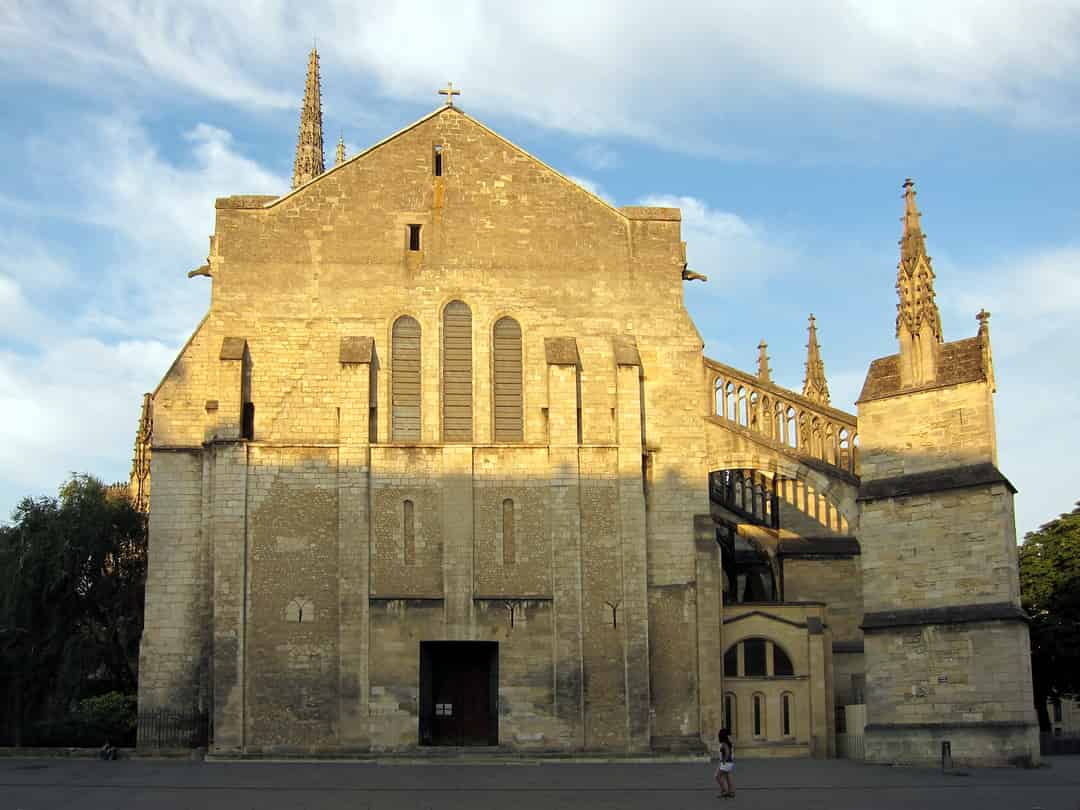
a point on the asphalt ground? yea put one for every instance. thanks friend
(523, 784)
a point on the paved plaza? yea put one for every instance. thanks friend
(51, 784)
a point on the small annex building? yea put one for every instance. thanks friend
(444, 464)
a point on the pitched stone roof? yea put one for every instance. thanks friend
(960, 361)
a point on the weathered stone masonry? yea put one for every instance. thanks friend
(443, 394)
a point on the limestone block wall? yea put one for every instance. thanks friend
(397, 628)
(946, 646)
(927, 430)
(518, 561)
(310, 511)
(407, 560)
(954, 547)
(964, 672)
(292, 598)
(835, 581)
(174, 654)
(524, 630)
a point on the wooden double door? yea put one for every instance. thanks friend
(459, 689)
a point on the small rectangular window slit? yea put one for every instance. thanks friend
(438, 160)
(414, 237)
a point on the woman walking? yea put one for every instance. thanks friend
(727, 765)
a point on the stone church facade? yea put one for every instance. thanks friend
(444, 464)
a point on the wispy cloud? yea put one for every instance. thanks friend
(574, 66)
(598, 157)
(73, 369)
(730, 250)
(1030, 297)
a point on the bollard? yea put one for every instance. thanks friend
(946, 755)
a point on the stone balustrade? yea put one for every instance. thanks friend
(783, 416)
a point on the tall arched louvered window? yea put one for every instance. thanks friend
(405, 380)
(507, 381)
(457, 373)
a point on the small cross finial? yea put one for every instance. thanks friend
(449, 92)
(983, 317)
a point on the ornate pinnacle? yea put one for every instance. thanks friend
(763, 371)
(310, 162)
(339, 158)
(139, 480)
(915, 275)
(983, 317)
(815, 386)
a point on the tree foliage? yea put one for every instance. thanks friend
(71, 602)
(1050, 592)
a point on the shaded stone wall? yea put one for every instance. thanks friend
(174, 654)
(292, 598)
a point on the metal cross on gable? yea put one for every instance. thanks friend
(449, 92)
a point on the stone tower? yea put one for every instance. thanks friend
(946, 642)
(310, 162)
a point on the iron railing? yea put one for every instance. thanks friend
(850, 746)
(168, 728)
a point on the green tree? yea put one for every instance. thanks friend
(1050, 592)
(71, 602)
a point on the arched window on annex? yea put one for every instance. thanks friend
(405, 380)
(787, 714)
(757, 703)
(731, 713)
(757, 658)
(507, 383)
(457, 397)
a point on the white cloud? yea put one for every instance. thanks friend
(609, 66)
(1029, 297)
(598, 157)
(728, 249)
(73, 371)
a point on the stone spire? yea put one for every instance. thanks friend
(339, 157)
(815, 386)
(309, 146)
(918, 322)
(764, 373)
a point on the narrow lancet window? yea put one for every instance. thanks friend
(414, 237)
(408, 526)
(405, 380)
(457, 373)
(509, 551)
(507, 389)
(438, 160)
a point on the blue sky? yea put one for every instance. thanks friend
(783, 132)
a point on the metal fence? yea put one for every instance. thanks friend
(850, 746)
(1057, 744)
(166, 728)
